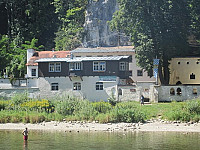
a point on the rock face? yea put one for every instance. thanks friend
(97, 32)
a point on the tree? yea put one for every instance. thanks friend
(72, 17)
(25, 20)
(158, 29)
(13, 57)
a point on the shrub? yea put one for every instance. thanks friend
(103, 118)
(193, 106)
(101, 107)
(127, 115)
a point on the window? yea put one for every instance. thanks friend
(55, 67)
(54, 86)
(75, 66)
(99, 86)
(77, 86)
(139, 73)
(33, 72)
(123, 66)
(51, 67)
(178, 91)
(194, 91)
(172, 91)
(192, 76)
(119, 91)
(99, 66)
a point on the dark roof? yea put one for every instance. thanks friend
(79, 59)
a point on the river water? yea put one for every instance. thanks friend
(57, 140)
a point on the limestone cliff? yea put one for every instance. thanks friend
(97, 32)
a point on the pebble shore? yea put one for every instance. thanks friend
(79, 126)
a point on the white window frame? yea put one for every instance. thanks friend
(54, 87)
(51, 67)
(75, 66)
(140, 75)
(122, 66)
(99, 66)
(33, 73)
(77, 86)
(99, 86)
(55, 67)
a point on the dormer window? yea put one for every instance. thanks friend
(75, 66)
(55, 67)
(99, 66)
(123, 66)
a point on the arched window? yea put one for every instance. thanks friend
(77, 86)
(178, 83)
(119, 91)
(172, 91)
(178, 91)
(192, 76)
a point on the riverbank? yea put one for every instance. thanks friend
(109, 127)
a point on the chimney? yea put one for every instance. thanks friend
(30, 53)
(71, 55)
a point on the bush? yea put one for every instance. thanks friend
(127, 115)
(101, 107)
(193, 106)
(103, 118)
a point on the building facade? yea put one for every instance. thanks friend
(137, 74)
(185, 71)
(92, 78)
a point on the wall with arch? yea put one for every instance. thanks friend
(176, 93)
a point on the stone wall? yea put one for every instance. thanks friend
(8, 93)
(181, 93)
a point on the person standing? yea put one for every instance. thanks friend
(142, 100)
(25, 133)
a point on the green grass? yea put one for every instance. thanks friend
(23, 109)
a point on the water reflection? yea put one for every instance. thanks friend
(56, 140)
(25, 147)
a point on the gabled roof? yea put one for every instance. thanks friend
(80, 59)
(104, 49)
(46, 54)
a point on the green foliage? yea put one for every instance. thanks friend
(13, 57)
(101, 107)
(23, 109)
(157, 28)
(193, 106)
(72, 16)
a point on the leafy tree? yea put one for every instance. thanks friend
(72, 16)
(158, 29)
(26, 20)
(13, 57)
(194, 7)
